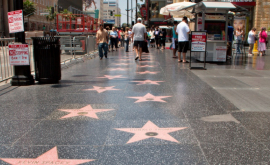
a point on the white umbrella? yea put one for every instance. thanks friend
(180, 8)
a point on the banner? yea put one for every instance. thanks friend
(198, 41)
(240, 22)
(144, 12)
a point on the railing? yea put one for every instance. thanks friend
(76, 48)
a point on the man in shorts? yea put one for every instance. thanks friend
(139, 35)
(183, 31)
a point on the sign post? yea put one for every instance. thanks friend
(198, 44)
(22, 74)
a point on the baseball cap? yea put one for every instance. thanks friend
(139, 19)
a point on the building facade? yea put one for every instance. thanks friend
(38, 21)
(111, 6)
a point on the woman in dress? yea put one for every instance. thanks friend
(251, 40)
(262, 42)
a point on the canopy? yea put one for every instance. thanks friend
(213, 7)
(180, 8)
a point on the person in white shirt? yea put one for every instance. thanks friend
(183, 31)
(139, 35)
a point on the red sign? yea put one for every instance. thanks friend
(18, 54)
(198, 41)
(15, 21)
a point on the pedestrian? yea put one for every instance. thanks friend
(119, 38)
(239, 36)
(162, 35)
(113, 36)
(262, 41)
(230, 40)
(174, 39)
(183, 31)
(148, 37)
(139, 35)
(127, 38)
(102, 41)
(152, 41)
(109, 43)
(157, 37)
(122, 34)
(251, 40)
(130, 38)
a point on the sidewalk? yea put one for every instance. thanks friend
(121, 111)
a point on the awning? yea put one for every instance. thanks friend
(218, 5)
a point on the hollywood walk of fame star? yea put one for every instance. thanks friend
(150, 130)
(122, 64)
(49, 157)
(148, 82)
(87, 111)
(112, 77)
(145, 66)
(121, 69)
(150, 97)
(102, 89)
(147, 72)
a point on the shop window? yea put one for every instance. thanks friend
(155, 8)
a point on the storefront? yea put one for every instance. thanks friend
(212, 17)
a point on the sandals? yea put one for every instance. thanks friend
(180, 61)
(140, 59)
(174, 57)
(136, 58)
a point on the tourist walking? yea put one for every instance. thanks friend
(183, 31)
(139, 35)
(114, 36)
(251, 40)
(152, 41)
(157, 37)
(174, 39)
(162, 35)
(262, 42)
(109, 43)
(122, 34)
(127, 38)
(102, 41)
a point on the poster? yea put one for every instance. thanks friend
(18, 54)
(198, 41)
(221, 52)
(15, 21)
(240, 23)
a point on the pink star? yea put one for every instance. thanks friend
(122, 64)
(144, 66)
(147, 72)
(150, 130)
(148, 82)
(150, 97)
(87, 111)
(49, 157)
(111, 77)
(117, 69)
(101, 89)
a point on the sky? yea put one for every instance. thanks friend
(123, 7)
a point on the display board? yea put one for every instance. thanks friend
(15, 21)
(18, 54)
(198, 44)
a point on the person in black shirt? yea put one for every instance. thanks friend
(157, 37)
(163, 35)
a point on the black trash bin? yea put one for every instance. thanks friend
(47, 59)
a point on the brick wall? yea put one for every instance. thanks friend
(262, 14)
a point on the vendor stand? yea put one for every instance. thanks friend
(212, 17)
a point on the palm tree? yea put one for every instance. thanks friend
(28, 10)
(51, 16)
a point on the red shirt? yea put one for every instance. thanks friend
(119, 32)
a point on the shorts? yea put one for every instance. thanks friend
(152, 41)
(138, 43)
(162, 42)
(174, 43)
(183, 46)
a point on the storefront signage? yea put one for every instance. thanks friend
(220, 53)
(18, 54)
(15, 21)
(215, 17)
(144, 12)
(198, 41)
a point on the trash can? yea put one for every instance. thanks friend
(47, 59)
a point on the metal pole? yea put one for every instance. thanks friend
(22, 74)
(136, 11)
(127, 12)
(131, 12)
